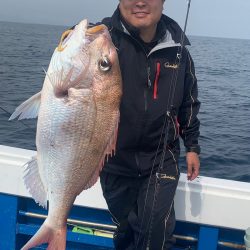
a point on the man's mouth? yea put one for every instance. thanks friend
(140, 13)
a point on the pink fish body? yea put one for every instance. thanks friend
(78, 115)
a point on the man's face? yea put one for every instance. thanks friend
(142, 14)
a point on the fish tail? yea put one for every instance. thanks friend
(56, 239)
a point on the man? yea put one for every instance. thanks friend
(159, 104)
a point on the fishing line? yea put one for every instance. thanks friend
(166, 129)
(26, 125)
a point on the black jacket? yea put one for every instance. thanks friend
(154, 89)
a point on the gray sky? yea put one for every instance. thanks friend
(218, 18)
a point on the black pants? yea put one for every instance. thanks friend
(143, 210)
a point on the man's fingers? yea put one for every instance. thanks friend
(193, 172)
(193, 165)
(189, 172)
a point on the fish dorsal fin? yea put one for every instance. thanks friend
(110, 150)
(33, 182)
(28, 109)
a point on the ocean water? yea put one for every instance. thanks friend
(222, 69)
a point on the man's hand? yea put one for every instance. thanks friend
(193, 165)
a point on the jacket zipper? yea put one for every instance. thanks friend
(149, 84)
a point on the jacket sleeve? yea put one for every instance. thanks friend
(187, 115)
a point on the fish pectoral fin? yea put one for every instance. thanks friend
(33, 182)
(60, 82)
(63, 80)
(28, 109)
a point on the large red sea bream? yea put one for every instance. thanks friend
(78, 115)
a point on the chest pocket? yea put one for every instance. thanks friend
(163, 78)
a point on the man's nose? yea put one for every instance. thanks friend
(140, 3)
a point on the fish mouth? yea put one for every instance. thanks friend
(65, 34)
(101, 31)
(95, 29)
(91, 33)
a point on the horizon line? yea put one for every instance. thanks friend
(64, 25)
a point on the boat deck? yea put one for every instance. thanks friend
(212, 214)
(91, 228)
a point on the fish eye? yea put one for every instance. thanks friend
(104, 64)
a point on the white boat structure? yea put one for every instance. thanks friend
(211, 213)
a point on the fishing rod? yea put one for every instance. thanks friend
(165, 128)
